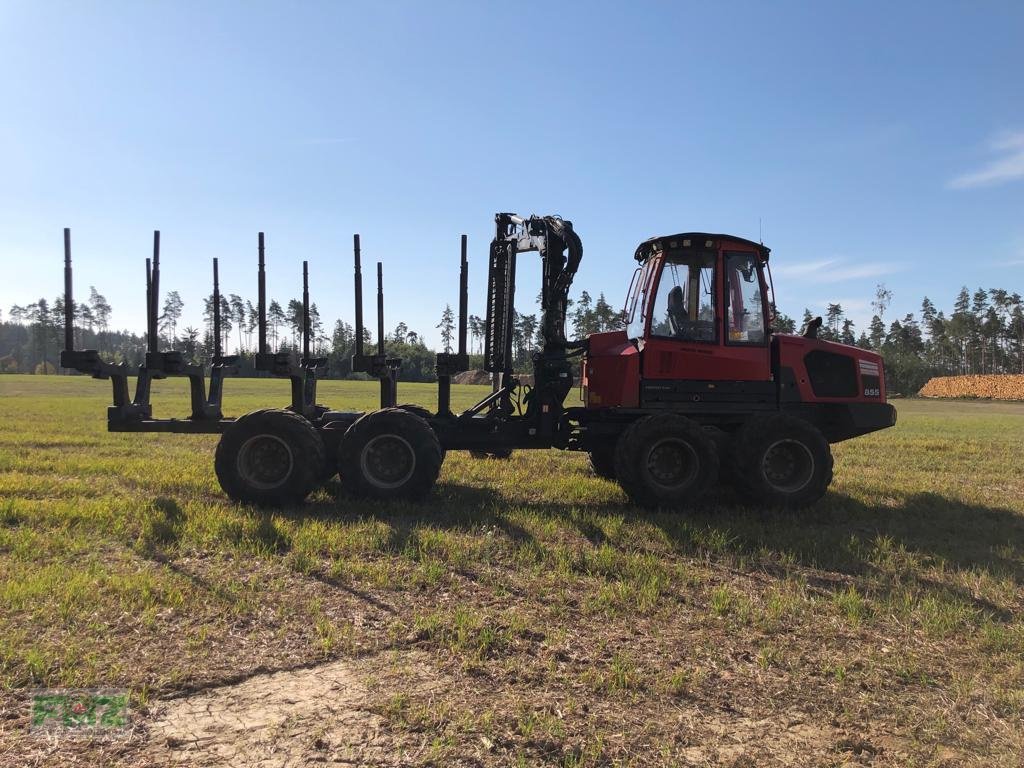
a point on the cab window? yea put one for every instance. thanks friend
(745, 312)
(684, 306)
(638, 300)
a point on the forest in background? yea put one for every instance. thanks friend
(983, 332)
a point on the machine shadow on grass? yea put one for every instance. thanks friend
(839, 538)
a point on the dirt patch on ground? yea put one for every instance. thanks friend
(324, 713)
(472, 377)
(328, 714)
(358, 712)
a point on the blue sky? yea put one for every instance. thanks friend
(875, 142)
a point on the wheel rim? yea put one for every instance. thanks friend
(265, 462)
(672, 463)
(788, 465)
(387, 461)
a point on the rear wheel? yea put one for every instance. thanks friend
(416, 410)
(270, 457)
(389, 454)
(665, 461)
(425, 414)
(781, 461)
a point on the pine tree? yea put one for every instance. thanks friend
(275, 319)
(876, 332)
(834, 315)
(237, 314)
(173, 307)
(606, 318)
(527, 332)
(293, 316)
(252, 321)
(400, 334)
(928, 315)
(583, 318)
(447, 327)
(806, 321)
(784, 323)
(847, 336)
(476, 332)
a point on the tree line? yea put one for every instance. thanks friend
(32, 335)
(982, 333)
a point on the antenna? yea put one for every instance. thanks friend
(760, 236)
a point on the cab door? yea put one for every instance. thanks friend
(745, 350)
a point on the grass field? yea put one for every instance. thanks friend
(525, 614)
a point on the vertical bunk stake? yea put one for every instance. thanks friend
(149, 304)
(380, 308)
(358, 297)
(216, 314)
(262, 299)
(463, 300)
(154, 294)
(69, 302)
(305, 311)
(388, 377)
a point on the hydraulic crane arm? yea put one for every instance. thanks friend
(561, 251)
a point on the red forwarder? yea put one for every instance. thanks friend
(697, 386)
(699, 347)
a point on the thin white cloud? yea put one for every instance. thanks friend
(1009, 167)
(801, 269)
(835, 270)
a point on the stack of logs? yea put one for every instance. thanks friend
(995, 386)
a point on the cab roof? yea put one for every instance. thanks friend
(647, 247)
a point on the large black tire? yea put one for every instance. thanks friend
(418, 410)
(389, 454)
(426, 415)
(602, 460)
(665, 461)
(781, 461)
(270, 457)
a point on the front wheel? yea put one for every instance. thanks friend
(781, 461)
(269, 457)
(389, 454)
(665, 461)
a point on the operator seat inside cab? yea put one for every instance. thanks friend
(684, 321)
(677, 319)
